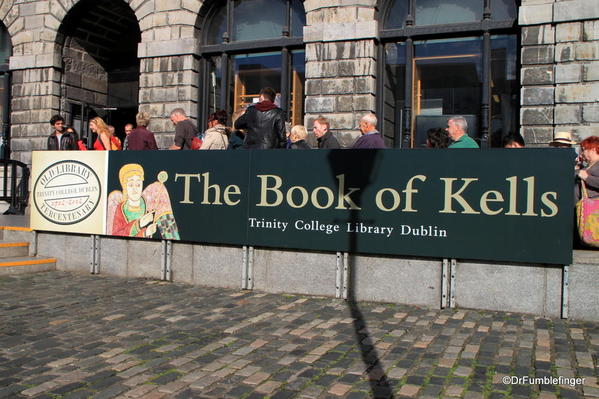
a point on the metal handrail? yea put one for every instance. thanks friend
(17, 192)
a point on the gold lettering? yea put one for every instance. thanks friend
(379, 199)
(530, 196)
(264, 189)
(512, 211)
(207, 188)
(330, 197)
(186, 191)
(449, 196)
(231, 190)
(409, 190)
(484, 200)
(343, 198)
(549, 204)
(304, 194)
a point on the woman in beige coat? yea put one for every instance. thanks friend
(215, 138)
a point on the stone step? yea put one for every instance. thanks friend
(11, 249)
(26, 264)
(15, 233)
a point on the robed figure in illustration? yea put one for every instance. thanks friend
(139, 212)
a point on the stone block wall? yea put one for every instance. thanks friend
(44, 74)
(167, 83)
(340, 63)
(560, 69)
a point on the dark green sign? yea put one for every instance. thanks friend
(502, 205)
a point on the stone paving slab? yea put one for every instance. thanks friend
(80, 336)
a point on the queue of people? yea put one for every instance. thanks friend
(263, 126)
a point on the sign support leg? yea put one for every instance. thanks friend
(452, 273)
(565, 291)
(338, 275)
(250, 273)
(346, 272)
(244, 268)
(444, 284)
(94, 264)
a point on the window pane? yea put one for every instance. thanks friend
(447, 81)
(298, 18)
(251, 73)
(394, 93)
(504, 88)
(215, 78)
(298, 77)
(503, 9)
(437, 12)
(258, 19)
(218, 26)
(397, 14)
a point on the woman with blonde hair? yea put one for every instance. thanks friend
(298, 138)
(104, 140)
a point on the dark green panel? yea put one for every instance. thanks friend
(197, 221)
(518, 234)
(526, 217)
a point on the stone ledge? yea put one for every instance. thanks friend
(575, 10)
(339, 32)
(535, 14)
(168, 48)
(35, 61)
(585, 257)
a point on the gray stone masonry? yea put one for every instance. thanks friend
(560, 65)
(168, 75)
(340, 64)
(167, 83)
(560, 81)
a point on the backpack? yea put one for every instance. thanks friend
(115, 144)
(196, 143)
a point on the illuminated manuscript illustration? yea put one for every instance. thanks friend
(139, 212)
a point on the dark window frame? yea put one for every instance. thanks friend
(227, 49)
(411, 33)
(5, 100)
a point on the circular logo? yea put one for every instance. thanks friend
(67, 192)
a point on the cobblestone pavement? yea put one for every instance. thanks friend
(77, 336)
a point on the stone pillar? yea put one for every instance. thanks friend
(340, 63)
(560, 69)
(577, 67)
(35, 73)
(537, 74)
(168, 80)
(169, 67)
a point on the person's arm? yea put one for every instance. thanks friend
(281, 132)
(241, 122)
(179, 138)
(152, 142)
(589, 176)
(105, 141)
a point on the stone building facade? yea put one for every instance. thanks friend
(112, 57)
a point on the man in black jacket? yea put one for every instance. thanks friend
(325, 138)
(59, 139)
(264, 123)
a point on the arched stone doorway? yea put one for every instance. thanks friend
(98, 43)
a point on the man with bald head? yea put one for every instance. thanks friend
(371, 138)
